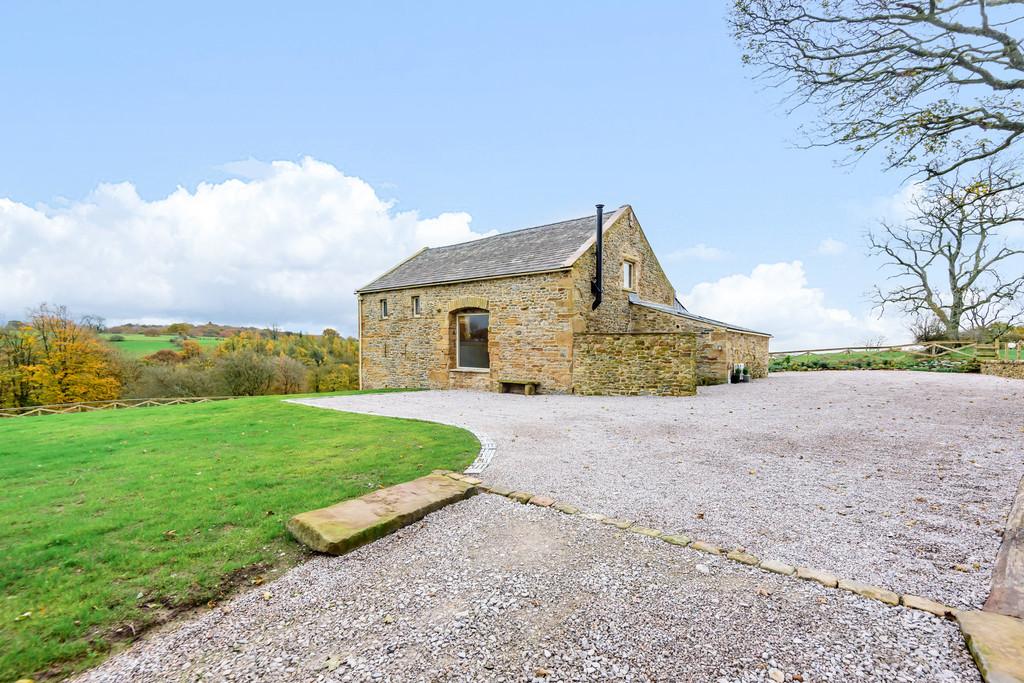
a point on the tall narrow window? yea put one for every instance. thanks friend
(383, 309)
(416, 307)
(628, 274)
(472, 342)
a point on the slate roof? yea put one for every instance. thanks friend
(530, 250)
(681, 311)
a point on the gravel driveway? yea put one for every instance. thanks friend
(902, 479)
(882, 477)
(490, 590)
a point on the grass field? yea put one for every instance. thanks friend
(138, 345)
(113, 521)
(888, 359)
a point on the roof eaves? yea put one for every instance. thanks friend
(369, 290)
(683, 313)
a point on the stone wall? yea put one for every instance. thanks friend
(623, 239)
(1013, 369)
(634, 364)
(530, 335)
(749, 349)
(718, 348)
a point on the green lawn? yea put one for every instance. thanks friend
(888, 359)
(114, 520)
(138, 345)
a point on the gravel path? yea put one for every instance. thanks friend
(893, 478)
(489, 590)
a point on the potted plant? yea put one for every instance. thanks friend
(736, 376)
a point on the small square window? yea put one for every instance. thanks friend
(628, 274)
(383, 309)
(416, 311)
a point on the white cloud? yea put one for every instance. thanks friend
(831, 247)
(287, 245)
(775, 298)
(698, 252)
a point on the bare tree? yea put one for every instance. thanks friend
(949, 259)
(96, 323)
(937, 83)
(926, 328)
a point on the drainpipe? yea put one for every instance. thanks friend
(359, 336)
(597, 284)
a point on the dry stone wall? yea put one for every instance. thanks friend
(635, 364)
(749, 349)
(718, 349)
(1012, 369)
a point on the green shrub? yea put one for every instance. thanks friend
(246, 373)
(173, 381)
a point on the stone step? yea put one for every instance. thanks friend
(341, 528)
(997, 644)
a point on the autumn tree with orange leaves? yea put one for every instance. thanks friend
(53, 359)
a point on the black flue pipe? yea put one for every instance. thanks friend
(597, 285)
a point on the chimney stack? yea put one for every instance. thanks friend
(597, 284)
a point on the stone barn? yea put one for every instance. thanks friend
(581, 306)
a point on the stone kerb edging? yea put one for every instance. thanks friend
(739, 555)
(487, 451)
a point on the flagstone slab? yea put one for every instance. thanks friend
(341, 528)
(997, 644)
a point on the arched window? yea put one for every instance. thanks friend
(471, 341)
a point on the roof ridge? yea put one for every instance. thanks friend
(512, 232)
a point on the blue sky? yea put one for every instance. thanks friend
(514, 114)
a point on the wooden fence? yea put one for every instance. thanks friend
(936, 349)
(90, 406)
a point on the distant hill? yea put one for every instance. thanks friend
(209, 329)
(140, 345)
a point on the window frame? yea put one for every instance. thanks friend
(629, 285)
(458, 342)
(384, 309)
(416, 306)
